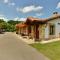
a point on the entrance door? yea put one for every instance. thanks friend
(37, 32)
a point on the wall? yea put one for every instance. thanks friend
(57, 27)
(32, 31)
(41, 31)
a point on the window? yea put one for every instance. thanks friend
(52, 29)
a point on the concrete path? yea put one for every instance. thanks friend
(12, 48)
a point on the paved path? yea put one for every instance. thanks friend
(12, 48)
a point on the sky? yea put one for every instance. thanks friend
(21, 9)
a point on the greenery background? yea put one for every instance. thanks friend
(8, 26)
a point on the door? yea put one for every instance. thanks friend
(37, 31)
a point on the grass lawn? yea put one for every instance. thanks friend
(51, 50)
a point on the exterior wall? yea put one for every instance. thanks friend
(36, 32)
(26, 30)
(41, 31)
(57, 28)
(32, 32)
(47, 31)
(19, 31)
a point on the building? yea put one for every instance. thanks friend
(41, 29)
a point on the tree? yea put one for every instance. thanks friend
(8, 26)
(1, 20)
(13, 22)
(11, 25)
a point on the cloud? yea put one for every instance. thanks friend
(39, 14)
(22, 19)
(58, 6)
(29, 9)
(9, 3)
(6, 1)
(3, 17)
(19, 19)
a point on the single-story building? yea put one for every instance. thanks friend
(41, 29)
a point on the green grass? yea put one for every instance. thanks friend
(51, 50)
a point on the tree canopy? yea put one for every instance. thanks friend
(9, 25)
(13, 22)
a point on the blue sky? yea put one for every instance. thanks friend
(21, 9)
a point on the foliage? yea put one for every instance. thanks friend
(8, 26)
(13, 22)
(1, 20)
